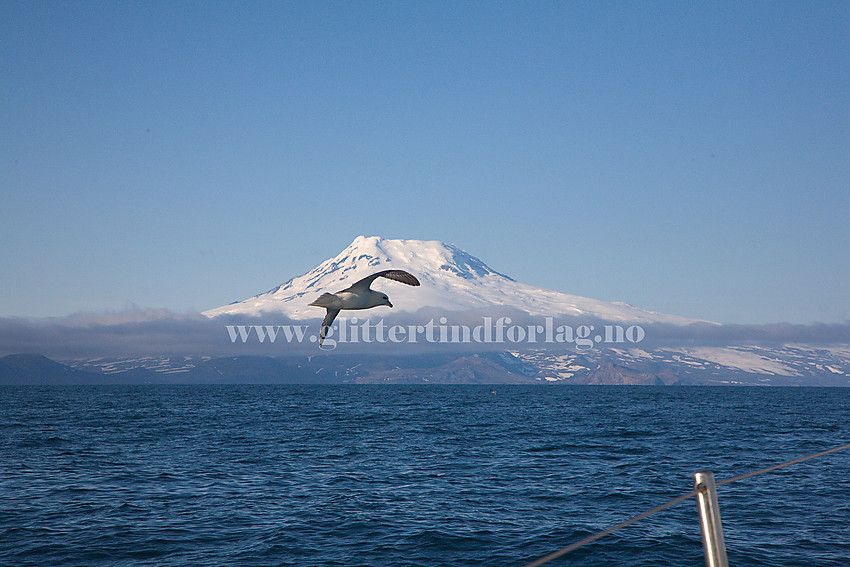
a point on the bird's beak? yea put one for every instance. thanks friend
(390, 304)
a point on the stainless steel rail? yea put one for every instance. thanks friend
(705, 491)
(709, 520)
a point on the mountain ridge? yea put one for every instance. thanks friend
(798, 365)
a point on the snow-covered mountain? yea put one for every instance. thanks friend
(452, 280)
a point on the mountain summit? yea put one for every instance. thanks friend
(452, 280)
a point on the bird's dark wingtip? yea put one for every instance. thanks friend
(400, 276)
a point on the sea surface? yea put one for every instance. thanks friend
(348, 475)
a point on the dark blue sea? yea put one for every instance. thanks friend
(349, 475)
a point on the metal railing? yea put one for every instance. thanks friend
(709, 513)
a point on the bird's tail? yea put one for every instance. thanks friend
(324, 300)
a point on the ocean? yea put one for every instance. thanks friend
(358, 475)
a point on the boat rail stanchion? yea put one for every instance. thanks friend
(709, 520)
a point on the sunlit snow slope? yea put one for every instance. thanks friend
(452, 280)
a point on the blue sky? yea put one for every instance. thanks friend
(693, 160)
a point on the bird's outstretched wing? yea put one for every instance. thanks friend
(397, 275)
(326, 323)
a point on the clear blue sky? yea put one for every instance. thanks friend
(693, 160)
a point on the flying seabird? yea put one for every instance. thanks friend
(358, 296)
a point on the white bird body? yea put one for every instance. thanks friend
(349, 300)
(358, 296)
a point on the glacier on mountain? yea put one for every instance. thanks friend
(452, 280)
